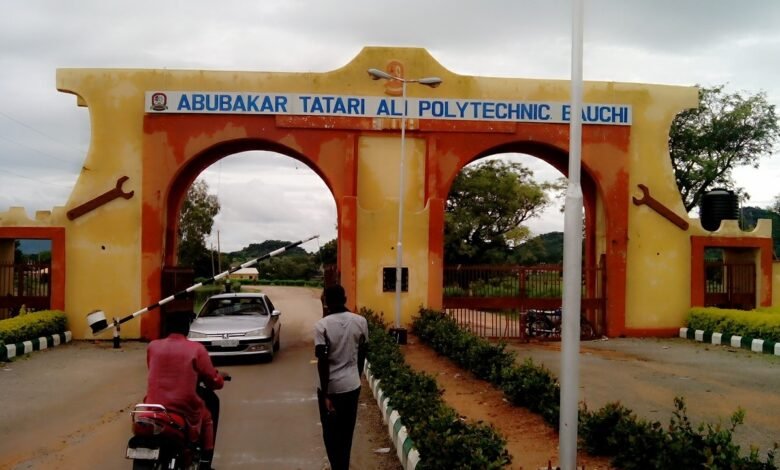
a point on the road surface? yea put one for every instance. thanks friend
(67, 407)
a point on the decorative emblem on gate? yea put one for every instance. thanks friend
(396, 69)
(159, 102)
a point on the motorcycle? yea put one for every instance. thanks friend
(162, 439)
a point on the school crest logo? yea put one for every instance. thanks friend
(394, 87)
(159, 102)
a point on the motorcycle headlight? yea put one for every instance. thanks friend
(195, 334)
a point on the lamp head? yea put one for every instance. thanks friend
(377, 74)
(432, 82)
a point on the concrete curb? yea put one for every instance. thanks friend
(9, 351)
(735, 341)
(407, 454)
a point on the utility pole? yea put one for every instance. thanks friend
(219, 254)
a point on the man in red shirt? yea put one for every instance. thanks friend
(176, 365)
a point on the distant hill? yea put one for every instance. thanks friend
(544, 249)
(256, 250)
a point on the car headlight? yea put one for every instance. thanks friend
(195, 334)
(259, 332)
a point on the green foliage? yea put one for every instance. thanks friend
(444, 439)
(613, 430)
(486, 208)
(196, 219)
(32, 325)
(726, 131)
(758, 324)
(328, 253)
(203, 293)
(543, 249)
(638, 444)
(751, 215)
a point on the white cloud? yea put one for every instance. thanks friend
(265, 195)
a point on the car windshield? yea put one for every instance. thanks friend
(233, 306)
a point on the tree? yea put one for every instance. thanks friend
(726, 131)
(195, 222)
(486, 208)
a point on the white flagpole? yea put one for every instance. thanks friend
(572, 259)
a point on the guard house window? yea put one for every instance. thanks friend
(388, 279)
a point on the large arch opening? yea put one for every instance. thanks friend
(507, 288)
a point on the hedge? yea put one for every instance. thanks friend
(757, 324)
(443, 439)
(32, 325)
(612, 430)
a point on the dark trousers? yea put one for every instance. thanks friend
(338, 427)
(211, 400)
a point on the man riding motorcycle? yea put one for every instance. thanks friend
(176, 366)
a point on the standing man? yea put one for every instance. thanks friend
(340, 344)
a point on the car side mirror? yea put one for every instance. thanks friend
(276, 313)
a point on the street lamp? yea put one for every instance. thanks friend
(433, 82)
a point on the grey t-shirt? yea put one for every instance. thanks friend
(344, 332)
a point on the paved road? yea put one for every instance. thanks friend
(67, 408)
(646, 374)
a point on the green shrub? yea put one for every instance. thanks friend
(762, 324)
(613, 430)
(443, 439)
(32, 325)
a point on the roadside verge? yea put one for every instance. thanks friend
(735, 341)
(9, 351)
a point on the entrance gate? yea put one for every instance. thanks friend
(24, 285)
(730, 285)
(493, 301)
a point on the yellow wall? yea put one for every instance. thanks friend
(104, 247)
(378, 184)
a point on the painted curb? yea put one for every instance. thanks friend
(9, 351)
(735, 341)
(407, 454)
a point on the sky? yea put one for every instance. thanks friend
(44, 136)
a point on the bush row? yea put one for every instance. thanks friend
(32, 325)
(612, 430)
(756, 324)
(444, 439)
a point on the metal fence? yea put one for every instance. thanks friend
(492, 301)
(24, 285)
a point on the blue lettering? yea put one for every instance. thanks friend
(488, 110)
(267, 105)
(566, 113)
(251, 103)
(305, 102)
(225, 103)
(281, 104)
(184, 103)
(461, 108)
(197, 102)
(238, 105)
(382, 109)
(339, 107)
(501, 110)
(422, 107)
(543, 112)
(606, 114)
(513, 113)
(394, 111)
(211, 102)
(356, 106)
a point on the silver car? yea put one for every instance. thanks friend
(238, 324)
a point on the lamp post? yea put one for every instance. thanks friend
(433, 82)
